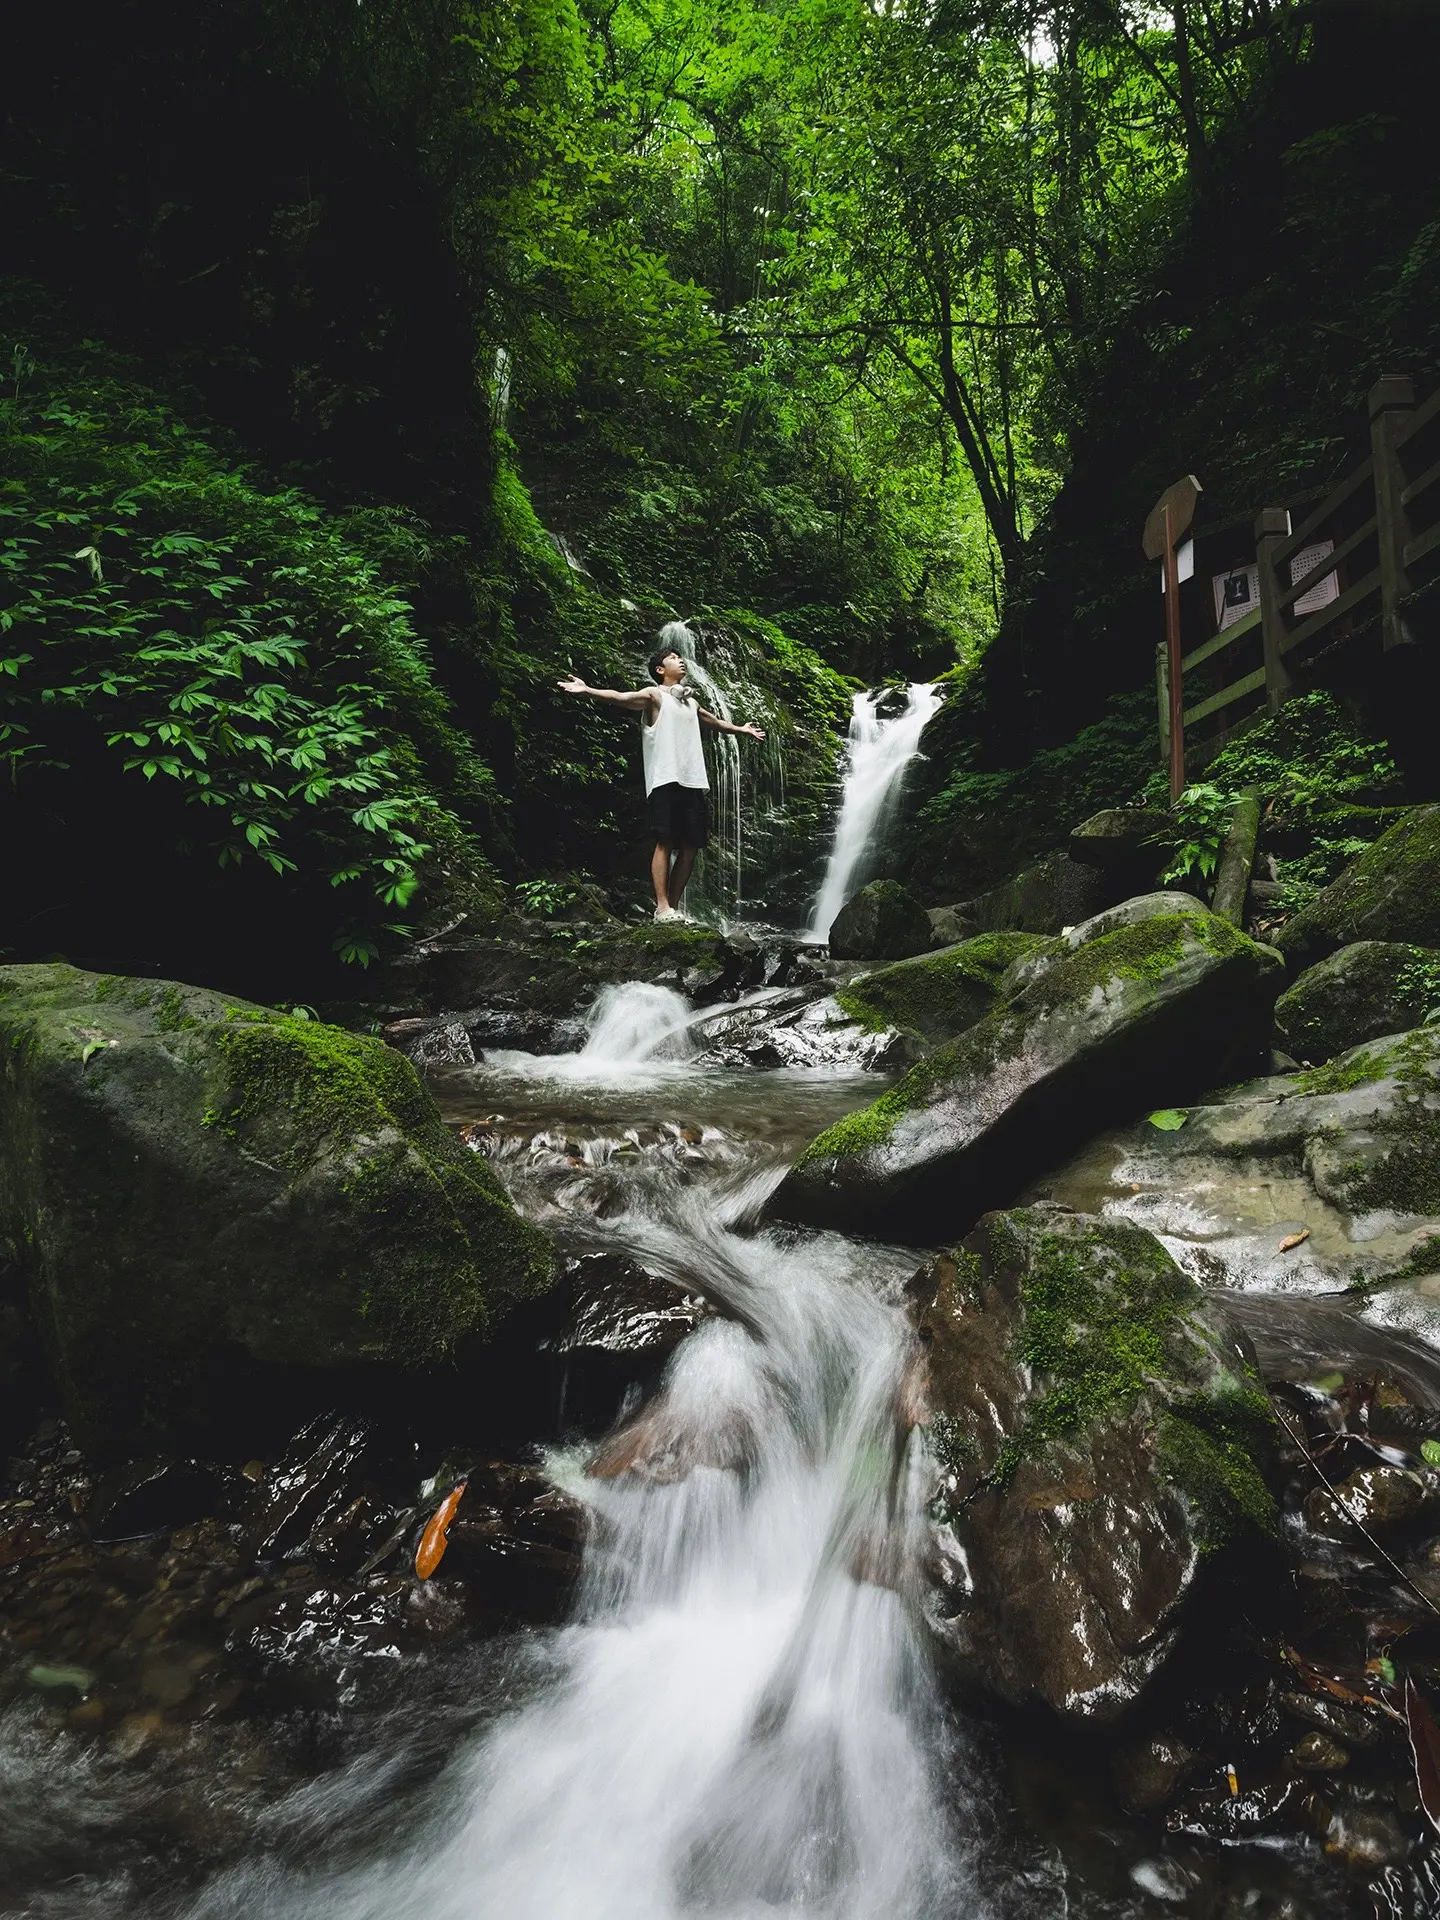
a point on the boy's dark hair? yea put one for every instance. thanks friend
(658, 658)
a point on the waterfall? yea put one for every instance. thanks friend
(741, 1719)
(878, 753)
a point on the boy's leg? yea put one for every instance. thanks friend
(660, 873)
(684, 866)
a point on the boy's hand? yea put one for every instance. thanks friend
(572, 683)
(755, 733)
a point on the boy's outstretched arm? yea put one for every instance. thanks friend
(708, 719)
(641, 697)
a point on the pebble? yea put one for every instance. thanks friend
(1318, 1753)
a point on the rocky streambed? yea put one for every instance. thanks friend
(1071, 1539)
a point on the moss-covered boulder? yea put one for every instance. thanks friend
(1391, 892)
(883, 921)
(199, 1189)
(1358, 993)
(937, 995)
(1142, 1016)
(1100, 1436)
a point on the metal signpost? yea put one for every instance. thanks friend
(1170, 517)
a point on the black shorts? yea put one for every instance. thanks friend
(679, 814)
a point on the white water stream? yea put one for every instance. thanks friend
(742, 1722)
(877, 756)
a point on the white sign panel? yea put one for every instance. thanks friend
(1237, 593)
(1184, 563)
(1325, 590)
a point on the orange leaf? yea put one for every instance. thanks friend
(436, 1537)
(1293, 1240)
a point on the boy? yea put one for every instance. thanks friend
(677, 786)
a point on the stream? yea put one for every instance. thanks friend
(740, 1715)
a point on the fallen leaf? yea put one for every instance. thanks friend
(1168, 1119)
(1425, 1748)
(1293, 1240)
(436, 1537)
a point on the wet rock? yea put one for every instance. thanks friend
(814, 1033)
(517, 1541)
(1318, 1753)
(1341, 1723)
(440, 1043)
(1345, 1154)
(883, 921)
(1379, 1498)
(1034, 964)
(150, 1497)
(1149, 1773)
(948, 926)
(1055, 893)
(1098, 1429)
(615, 1306)
(307, 1486)
(937, 995)
(1132, 1019)
(1365, 1837)
(1361, 992)
(1121, 841)
(1391, 893)
(197, 1182)
(1214, 1813)
(529, 969)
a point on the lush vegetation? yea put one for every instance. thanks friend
(373, 365)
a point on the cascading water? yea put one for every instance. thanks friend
(756, 773)
(740, 1721)
(877, 756)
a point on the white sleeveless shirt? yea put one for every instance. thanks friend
(673, 752)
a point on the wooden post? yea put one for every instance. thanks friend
(1174, 664)
(1391, 398)
(1162, 701)
(1272, 525)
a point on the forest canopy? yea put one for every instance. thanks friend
(534, 324)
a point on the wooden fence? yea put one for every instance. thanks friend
(1377, 533)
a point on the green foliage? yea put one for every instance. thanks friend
(545, 896)
(1320, 775)
(228, 641)
(1202, 819)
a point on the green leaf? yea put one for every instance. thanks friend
(1168, 1119)
(1430, 1452)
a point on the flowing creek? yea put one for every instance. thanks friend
(741, 1717)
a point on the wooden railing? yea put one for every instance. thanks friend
(1382, 523)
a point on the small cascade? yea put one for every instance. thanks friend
(747, 777)
(877, 756)
(633, 1022)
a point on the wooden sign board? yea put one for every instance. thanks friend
(1180, 499)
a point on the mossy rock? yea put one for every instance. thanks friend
(1143, 1016)
(883, 921)
(1391, 893)
(192, 1184)
(1359, 993)
(551, 967)
(1101, 1435)
(937, 995)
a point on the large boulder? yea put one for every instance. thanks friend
(197, 1187)
(937, 995)
(1322, 1183)
(1359, 993)
(1136, 1017)
(883, 921)
(1058, 891)
(1391, 892)
(1100, 1435)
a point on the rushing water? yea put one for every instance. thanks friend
(877, 756)
(740, 1720)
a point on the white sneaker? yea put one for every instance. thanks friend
(668, 913)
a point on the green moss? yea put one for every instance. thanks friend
(1207, 1450)
(1098, 1320)
(329, 1084)
(1340, 1076)
(937, 994)
(1407, 1178)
